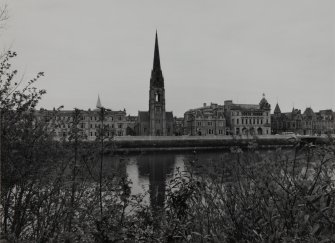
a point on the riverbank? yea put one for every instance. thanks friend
(182, 143)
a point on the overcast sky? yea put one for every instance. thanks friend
(211, 51)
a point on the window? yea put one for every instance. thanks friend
(120, 125)
(237, 121)
(91, 126)
(237, 131)
(157, 97)
(120, 118)
(199, 123)
(209, 123)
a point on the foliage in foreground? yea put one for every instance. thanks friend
(284, 198)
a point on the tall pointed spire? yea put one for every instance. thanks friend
(156, 79)
(157, 63)
(99, 103)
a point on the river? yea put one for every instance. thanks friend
(150, 172)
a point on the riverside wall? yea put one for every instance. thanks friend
(180, 143)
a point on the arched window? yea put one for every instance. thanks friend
(157, 97)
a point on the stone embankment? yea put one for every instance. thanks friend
(175, 143)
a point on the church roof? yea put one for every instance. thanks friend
(143, 116)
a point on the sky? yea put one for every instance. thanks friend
(210, 51)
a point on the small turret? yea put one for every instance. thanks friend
(98, 103)
(277, 109)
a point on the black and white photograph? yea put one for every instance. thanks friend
(167, 121)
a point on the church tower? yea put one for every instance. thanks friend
(157, 113)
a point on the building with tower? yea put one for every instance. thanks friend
(156, 121)
(306, 123)
(229, 119)
(248, 119)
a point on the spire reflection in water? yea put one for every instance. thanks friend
(157, 168)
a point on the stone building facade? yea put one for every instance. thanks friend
(325, 122)
(248, 119)
(178, 126)
(306, 123)
(116, 123)
(207, 120)
(156, 121)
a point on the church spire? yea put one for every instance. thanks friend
(156, 79)
(157, 63)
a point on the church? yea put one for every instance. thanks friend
(156, 121)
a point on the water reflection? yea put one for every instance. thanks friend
(150, 172)
(157, 168)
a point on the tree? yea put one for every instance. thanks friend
(22, 137)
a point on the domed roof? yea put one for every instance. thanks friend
(263, 104)
(308, 112)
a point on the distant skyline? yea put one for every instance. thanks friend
(210, 51)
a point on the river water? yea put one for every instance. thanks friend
(150, 172)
